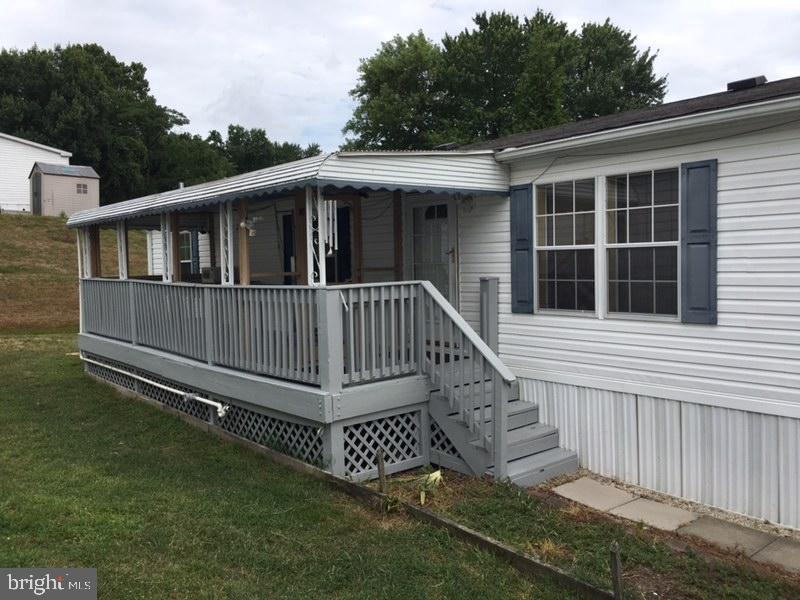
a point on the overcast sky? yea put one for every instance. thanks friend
(288, 66)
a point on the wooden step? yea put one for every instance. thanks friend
(527, 440)
(536, 468)
(519, 413)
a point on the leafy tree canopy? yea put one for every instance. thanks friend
(82, 99)
(504, 75)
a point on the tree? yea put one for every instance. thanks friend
(251, 149)
(503, 76)
(82, 99)
(398, 97)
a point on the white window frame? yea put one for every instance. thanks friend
(545, 247)
(676, 318)
(601, 244)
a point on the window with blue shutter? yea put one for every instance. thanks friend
(521, 249)
(699, 242)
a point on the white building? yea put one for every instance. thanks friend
(17, 157)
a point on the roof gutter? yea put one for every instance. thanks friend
(676, 124)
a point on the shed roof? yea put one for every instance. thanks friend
(20, 140)
(466, 172)
(65, 170)
(650, 114)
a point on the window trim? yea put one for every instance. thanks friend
(601, 245)
(553, 247)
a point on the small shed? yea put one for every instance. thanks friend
(63, 189)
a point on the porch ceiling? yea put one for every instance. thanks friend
(469, 172)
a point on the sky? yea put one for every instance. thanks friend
(287, 67)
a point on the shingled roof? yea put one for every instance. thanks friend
(669, 110)
(66, 170)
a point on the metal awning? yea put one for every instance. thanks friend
(467, 172)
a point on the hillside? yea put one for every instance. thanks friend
(39, 271)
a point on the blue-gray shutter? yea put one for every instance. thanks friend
(521, 249)
(195, 253)
(699, 242)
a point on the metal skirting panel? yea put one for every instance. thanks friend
(745, 462)
(298, 439)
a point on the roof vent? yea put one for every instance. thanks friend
(447, 146)
(746, 84)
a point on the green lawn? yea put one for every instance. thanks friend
(91, 478)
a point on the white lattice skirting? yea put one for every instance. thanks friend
(300, 440)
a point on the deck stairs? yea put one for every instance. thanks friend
(469, 383)
(533, 451)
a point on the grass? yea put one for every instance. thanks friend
(655, 564)
(91, 478)
(39, 271)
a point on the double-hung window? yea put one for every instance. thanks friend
(565, 238)
(642, 240)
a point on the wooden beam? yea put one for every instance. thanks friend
(397, 198)
(94, 252)
(175, 246)
(300, 249)
(123, 261)
(244, 244)
(358, 240)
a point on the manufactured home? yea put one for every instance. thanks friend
(621, 294)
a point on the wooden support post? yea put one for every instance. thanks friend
(500, 427)
(489, 311)
(174, 247)
(358, 240)
(300, 250)
(331, 334)
(244, 244)
(381, 462)
(122, 249)
(616, 570)
(397, 206)
(95, 263)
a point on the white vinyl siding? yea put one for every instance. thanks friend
(16, 162)
(751, 359)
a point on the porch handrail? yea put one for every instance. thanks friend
(467, 372)
(476, 340)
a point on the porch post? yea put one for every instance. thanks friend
(331, 334)
(226, 243)
(300, 246)
(244, 244)
(175, 247)
(166, 246)
(310, 244)
(489, 312)
(95, 264)
(322, 235)
(122, 249)
(80, 244)
(397, 206)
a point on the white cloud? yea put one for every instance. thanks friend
(288, 66)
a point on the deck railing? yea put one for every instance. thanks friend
(327, 337)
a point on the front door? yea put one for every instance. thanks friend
(433, 245)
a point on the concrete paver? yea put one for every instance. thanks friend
(729, 536)
(655, 514)
(782, 552)
(594, 493)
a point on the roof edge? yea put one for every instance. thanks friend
(20, 140)
(766, 108)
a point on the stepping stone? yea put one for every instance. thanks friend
(729, 536)
(782, 552)
(655, 514)
(594, 494)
